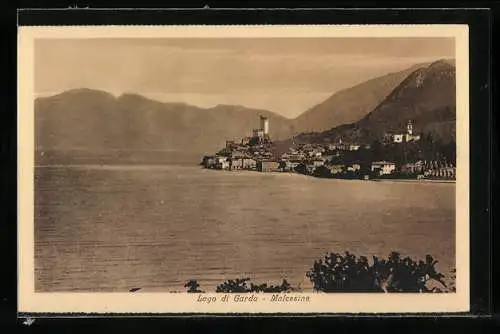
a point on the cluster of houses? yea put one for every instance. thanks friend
(431, 169)
(313, 157)
(251, 153)
(243, 162)
(255, 153)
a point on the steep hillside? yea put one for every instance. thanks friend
(351, 104)
(426, 96)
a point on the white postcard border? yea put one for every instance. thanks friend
(31, 302)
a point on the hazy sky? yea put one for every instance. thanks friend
(284, 75)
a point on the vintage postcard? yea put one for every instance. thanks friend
(243, 169)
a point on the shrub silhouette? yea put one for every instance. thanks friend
(240, 285)
(347, 273)
(192, 286)
(453, 287)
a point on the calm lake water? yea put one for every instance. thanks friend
(112, 228)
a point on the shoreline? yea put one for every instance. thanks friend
(417, 181)
(165, 166)
(412, 180)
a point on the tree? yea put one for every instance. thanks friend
(376, 147)
(365, 169)
(450, 152)
(347, 273)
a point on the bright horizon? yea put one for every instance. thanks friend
(284, 75)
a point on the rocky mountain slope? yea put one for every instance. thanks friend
(427, 96)
(351, 104)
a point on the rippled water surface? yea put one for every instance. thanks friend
(112, 228)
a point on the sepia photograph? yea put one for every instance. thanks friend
(244, 169)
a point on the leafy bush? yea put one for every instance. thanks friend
(192, 286)
(240, 285)
(347, 273)
(453, 287)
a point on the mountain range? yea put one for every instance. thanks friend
(96, 124)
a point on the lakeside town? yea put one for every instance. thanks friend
(398, 156)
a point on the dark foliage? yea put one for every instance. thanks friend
(192, 286)
(323, 171)
(240, 285)
(427, 148)
(301, 169)
(453, 287)
(347, 273)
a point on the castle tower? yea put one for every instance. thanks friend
(264, 124)
(409, 128)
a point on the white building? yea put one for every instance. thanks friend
(353, 147)
(220, 159)
(409, 133)
(226, 164)
(354, 167)
(262, 132)
(318, 163)
(264, 124)
(340, 146)
(258, 133)
(383, 167)
(398, 138)
(290, 165)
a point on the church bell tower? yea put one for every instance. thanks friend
(409, 128)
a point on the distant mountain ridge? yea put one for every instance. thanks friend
(93, 120)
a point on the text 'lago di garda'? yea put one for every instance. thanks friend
(253, 298)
